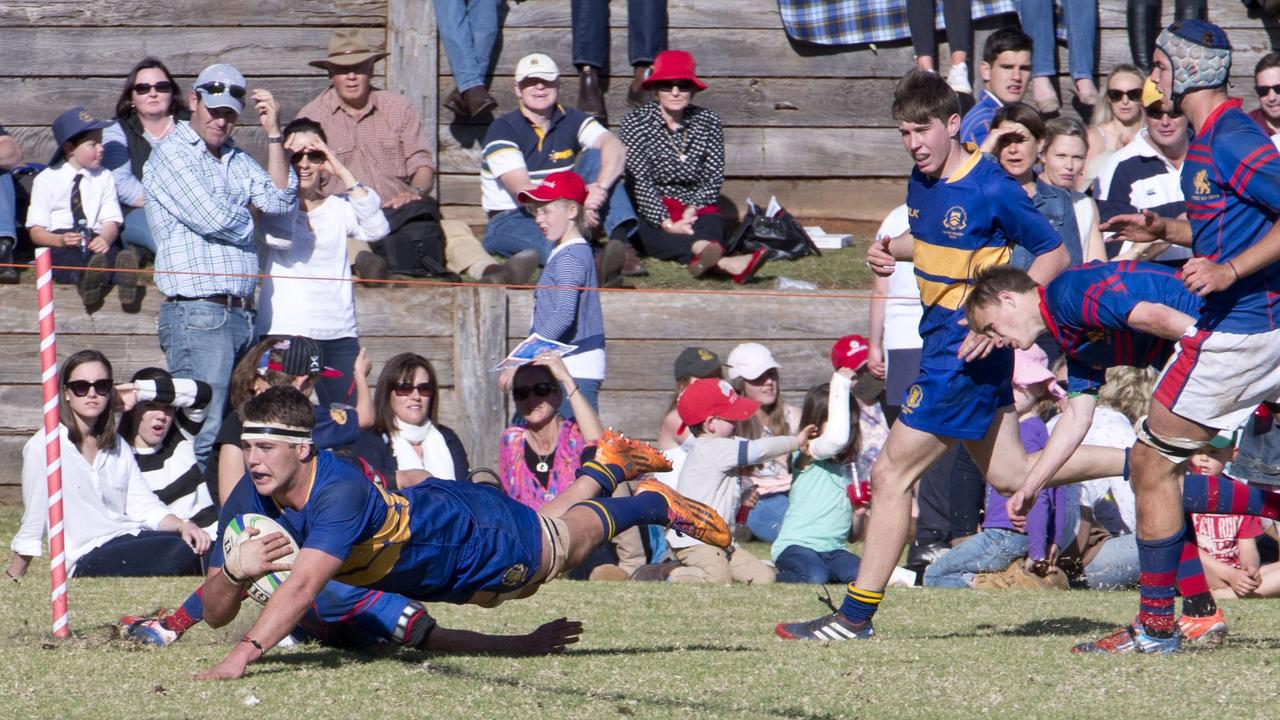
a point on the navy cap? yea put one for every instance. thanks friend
(1202, 33)
(71, 123)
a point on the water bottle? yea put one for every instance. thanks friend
(786, 283)
(86, 235)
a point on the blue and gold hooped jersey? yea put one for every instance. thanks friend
(961, 225)
(438, 541)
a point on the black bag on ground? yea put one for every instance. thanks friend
(781, 234)
(415, 245)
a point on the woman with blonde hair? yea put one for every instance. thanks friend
(1116, 121)
(754, 374)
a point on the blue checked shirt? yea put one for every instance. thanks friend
(860, 22)
(197, 206)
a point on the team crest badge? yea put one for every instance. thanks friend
(1097, 336)
(955, 221)
(1201, 183)
(915, 394)
(338, 414)
(515, 575)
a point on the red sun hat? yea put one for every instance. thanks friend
(712, 397)
(563, 185)
(673, 66)
(850, 352)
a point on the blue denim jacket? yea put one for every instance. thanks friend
(1055, 205)
(1257, 459)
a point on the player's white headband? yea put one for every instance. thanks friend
(276, 431)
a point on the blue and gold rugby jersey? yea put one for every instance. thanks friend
(438, 541)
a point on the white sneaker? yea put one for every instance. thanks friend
(958, 79)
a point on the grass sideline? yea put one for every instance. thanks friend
(650, 651)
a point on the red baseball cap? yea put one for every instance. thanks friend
(711, 397)
(563, 185)
(850, 352)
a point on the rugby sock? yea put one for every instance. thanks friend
(618, 514)
(1197, 601)
(191, 612)
(859, 605)
(1221, 495)
(1158, 570)
(607, 476)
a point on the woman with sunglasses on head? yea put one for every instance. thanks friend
(405, 411)
(1116, 121)
(149, 105)
(675, 169)
(309, 291)
(540, 458)
(115, 525)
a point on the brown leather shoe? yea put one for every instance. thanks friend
(590, 95)
(517, 270)
(453, 103)
(478, 101)
(371, 266)
(609, 264)
(636, 95)
(632, 265)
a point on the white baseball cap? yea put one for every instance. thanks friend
(537, 65)
(750, 360)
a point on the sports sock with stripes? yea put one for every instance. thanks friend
(607, 476)
(1197, 600)
(1158, 570)
(618, 514)
(191, 612)
(1221, 495)
(859, 605)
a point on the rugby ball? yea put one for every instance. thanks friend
(237, 532)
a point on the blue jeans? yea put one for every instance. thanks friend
(646, 31)
(515, 231)
(1258, 458)
(798, 564)
(202, 340)
(765, 519)
(136, 232)
(989, 551)
(1115, 567)
(9, 207)
(149, 553)
(468, 29)
(340, 355)
(590, 390)
(1081, 16)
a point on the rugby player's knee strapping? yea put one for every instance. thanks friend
(1175, 450)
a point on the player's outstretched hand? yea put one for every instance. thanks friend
(1139, 227)
(879, 259)
(976, 347)
(228, 669)
(1203, 276)
(551, 637)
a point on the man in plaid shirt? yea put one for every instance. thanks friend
(199, 188)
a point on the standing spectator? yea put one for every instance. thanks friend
(894, 354)
(1116, 122)
(308, 290)
(468, 29)
(74, 210)
(675, 169)
(1146, 175)
(1081, 16)
(1006, 70)
(10, 155)
(199, 188)
(149, 107)
(1266, 83)
(646, 37)
(1062, 157)
(542, 137)
(406, 409)
(379, 136)
(957, 16)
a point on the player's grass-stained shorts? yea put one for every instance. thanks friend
(1218, 379)
(955, 399)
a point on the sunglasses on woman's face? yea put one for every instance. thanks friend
(162, 87)
(80, 388)
(683, 86)
(1134, 95)
(405, 389)
(315, 156)
(541, 389)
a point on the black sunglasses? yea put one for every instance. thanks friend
(1265, 90)
(80, 388)
(1158, 114)
(162, 87)
(219, 88)
(405, 389)
(541, 389)
(315, 156)
(1134, 95)
(683, 85)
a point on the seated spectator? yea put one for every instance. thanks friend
(675, 169)
(540, 457)
(1146, 174)
(406, 404)
(1006, 71)
(543, 137)
(1062, 160)
(468, 31)
(162, 415)
(710, 409)
(1081, 18)
(754, 374)
(1266, 83)
(1115, 122)
(74, 209)
(691, 364)
(811, 545)
(1000, 543)
(646, 38)
(1017, 131)
(922, 18)
(115, 524)
(10, 155)
(566, 302)
(149, 107)
(1228, 543)
(308, 290)
(379, 136)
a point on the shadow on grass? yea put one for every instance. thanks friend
(1068, 626)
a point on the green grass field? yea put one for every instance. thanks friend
(649, 650)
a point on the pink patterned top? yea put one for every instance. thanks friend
(519, 480)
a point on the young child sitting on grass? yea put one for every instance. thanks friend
(709, 408)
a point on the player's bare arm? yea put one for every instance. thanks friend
(1160, 320)
(1066, 437)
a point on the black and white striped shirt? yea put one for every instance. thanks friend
(171, 470)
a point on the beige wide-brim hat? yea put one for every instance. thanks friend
(347, 48)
